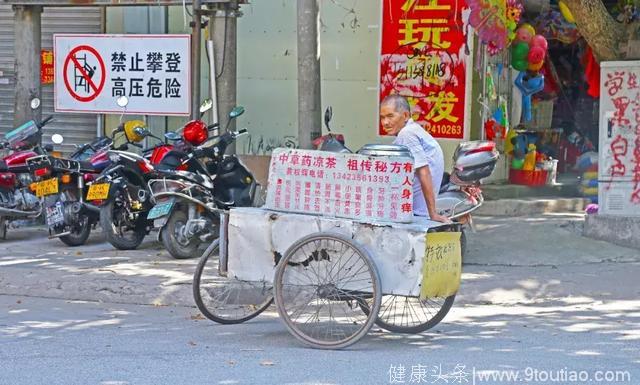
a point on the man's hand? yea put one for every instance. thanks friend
(440, 218)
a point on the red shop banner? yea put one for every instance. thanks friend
(424, 57)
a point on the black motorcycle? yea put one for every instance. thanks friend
(63, 184)
(188, 203)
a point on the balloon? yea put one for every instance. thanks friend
(539, 41)
(536, 54)
(525, 32)
(520, 51)
(528, 85)
(535, 67)
(520, 65)
(566, 12)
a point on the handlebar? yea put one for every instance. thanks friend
(46, 120)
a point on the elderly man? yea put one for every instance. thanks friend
(395, 116)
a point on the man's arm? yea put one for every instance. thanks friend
(426, 183)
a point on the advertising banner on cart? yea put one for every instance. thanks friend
(425, 57)
(153, 71)
(341, 185)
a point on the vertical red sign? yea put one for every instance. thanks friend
(424, 57)
(46, 66)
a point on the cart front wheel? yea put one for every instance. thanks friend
(227, 300)
(320, 284)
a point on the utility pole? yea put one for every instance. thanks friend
(309, 97)
(225, 42)
(196, 38)
(27, 62)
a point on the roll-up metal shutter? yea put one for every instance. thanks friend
(76, 128)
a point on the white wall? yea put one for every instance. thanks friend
(267, 72)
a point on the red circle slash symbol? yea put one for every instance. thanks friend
(83, 78)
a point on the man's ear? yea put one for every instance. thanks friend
(406, 115)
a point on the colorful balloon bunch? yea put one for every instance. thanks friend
(529, 50)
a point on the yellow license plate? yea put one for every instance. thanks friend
(98, 192)
(47, 187)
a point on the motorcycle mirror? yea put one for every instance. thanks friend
(237, 111)
(57, 138)
(172, 136)
(122, 101)
(328, 114)
(35, 103)
(206, 105)
(141, 131)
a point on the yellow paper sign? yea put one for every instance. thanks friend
(442, 265)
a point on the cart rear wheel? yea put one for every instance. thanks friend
(227, 300)
(320, 284)
(401, 314)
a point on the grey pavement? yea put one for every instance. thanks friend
(535, 295)
(546, 255)
(45, 341)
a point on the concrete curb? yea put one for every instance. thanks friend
(623, 231)
(524, 207)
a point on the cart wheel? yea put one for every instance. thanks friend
(320, 284)
(227, 300)
(401, 314)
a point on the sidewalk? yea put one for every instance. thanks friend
(510, 260)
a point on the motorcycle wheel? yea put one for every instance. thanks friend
(119, 233)
(171, 239)
(79, 233)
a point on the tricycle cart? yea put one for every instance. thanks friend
(331, 278)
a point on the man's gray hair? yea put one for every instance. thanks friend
(399, 103)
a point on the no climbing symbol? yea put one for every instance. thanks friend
(84, 73)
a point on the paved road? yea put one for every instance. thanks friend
(45, 341)
(535, 294)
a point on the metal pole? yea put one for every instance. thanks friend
(212, 80)
(309, 98)
(196, 35)
(225, 42)
(27, 62)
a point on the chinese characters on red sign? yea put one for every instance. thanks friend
(424, 57)
(342, 185)
(46, 66)
(623, 99)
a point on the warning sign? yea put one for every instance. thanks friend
(153, 71)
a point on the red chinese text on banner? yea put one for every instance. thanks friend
(424, 58)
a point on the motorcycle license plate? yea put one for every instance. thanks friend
(47, 187)
(55, 215)
(98, 191)
(161, 209)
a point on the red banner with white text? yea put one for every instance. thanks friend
(424, 57)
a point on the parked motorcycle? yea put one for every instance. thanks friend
(123, 216)
(62, 183)
(461, 193)
(17, 200)
(188, 203)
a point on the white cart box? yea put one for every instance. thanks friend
(260, 237)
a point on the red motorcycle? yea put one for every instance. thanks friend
(17, 200)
